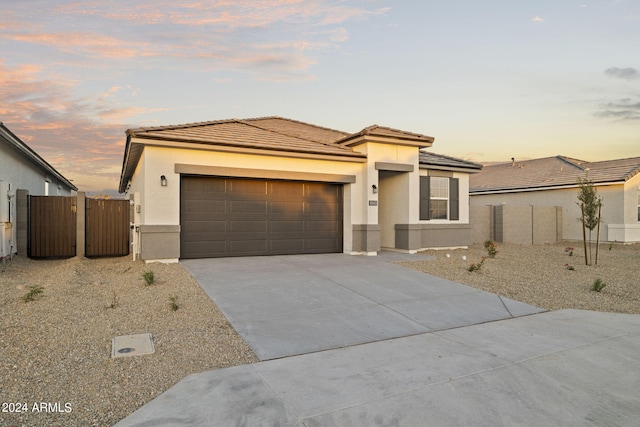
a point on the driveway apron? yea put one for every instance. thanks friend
(291, 305)
(564, 368)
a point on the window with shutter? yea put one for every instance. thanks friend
(439, 198)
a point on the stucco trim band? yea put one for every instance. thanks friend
(159, 242)
(366, 237)
(263, 174)
(394, 167)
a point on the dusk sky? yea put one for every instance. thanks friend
(490, 80)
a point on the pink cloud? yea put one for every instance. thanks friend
(223, 33)
(93, 45)
(82, 138)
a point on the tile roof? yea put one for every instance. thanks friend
(266, 133)
(383, 131)
(446, 162)
(269, 133)
(551, 172)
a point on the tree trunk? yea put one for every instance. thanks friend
(584, 237)
(598, 233)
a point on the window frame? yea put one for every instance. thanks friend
(453, 198)
(444, 184)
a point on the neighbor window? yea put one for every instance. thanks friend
(438, 198)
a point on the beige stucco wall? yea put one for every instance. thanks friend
(397, 202)
(463, 189)
(619, 206)
(393, 199)
(161, 205)
(378, 152)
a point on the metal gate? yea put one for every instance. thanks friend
(52, 226)
(106, 227)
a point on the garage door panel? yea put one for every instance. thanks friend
(321, 245)
(322, 226)
(248, 226)
(247, 206)
(244, 217)
(205, 206)
(286, 208)
(328, 208)
(286, 226)
(285, 188)
(206, 249)
(319, 190)
(246, 247)
(287, 246)
(202, 186)
(204, 227)
(246, 186)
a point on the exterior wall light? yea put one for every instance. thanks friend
(163, 180)
(374, 188)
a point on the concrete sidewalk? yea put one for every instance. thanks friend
(290, 305)
(570, 368)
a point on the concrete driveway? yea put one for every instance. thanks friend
(430, 355)
(298, 304)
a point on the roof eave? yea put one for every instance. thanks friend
(26, 151)
(358, 139)
(450, 168)
(541, 188)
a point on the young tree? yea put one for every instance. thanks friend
(591, 204)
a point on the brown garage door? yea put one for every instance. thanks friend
(243, 217)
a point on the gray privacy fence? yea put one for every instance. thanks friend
(528, 225)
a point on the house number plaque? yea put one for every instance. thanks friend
(373, 203)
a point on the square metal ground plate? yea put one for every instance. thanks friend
(132, 345)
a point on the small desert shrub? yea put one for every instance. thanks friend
(569, 250)
(491, 248)
(34, 290)
(173, 302)
(598, 285)
(148, 277)
(476, 267)
(569, 267)
(114, 301)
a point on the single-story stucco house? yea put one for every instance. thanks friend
(21, 168)
(272, 185)
(553, 181)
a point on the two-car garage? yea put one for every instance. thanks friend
(224, 216)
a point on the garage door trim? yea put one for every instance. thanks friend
(220, 171)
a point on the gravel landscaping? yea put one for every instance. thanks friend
(540, 275)
(56, 349)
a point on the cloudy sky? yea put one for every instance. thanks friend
(490, 80)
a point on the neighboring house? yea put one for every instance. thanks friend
(21, 168)
(553, 181)
(278, 186)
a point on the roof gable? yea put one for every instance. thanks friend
(383, 132)
(271, 133)
(17, 144)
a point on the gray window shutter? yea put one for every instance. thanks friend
(425, 195)
(454, 199)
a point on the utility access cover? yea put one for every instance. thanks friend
(132, 345)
